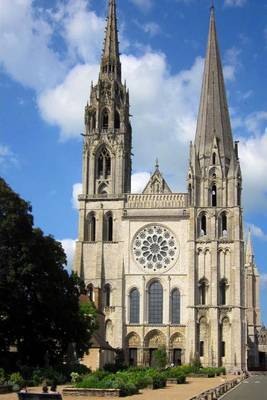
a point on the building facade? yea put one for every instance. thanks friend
(163, 268)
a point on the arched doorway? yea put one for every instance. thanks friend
(177, 344)
(133, 345)
(153, 340)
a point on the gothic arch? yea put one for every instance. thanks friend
(133, 340)
(223, 224)
(108, 227)
(105, 118)
(117, 121)
(90, 228)
(177, 340)
(103, 163)
(202, 224)
(93, 119)
(107, 295)
(155, 339)
(134, 306)
(155, 302)
(175, 306)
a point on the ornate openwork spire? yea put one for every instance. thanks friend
(213, 117)
(110, 64)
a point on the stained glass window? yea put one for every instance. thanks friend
(176, 306)
(134, 306)
(155, 302)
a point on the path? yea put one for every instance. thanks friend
(254, 388)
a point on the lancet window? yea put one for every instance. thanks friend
(103, 164)
(134, 306)
(155, 303)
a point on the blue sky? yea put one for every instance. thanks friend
(49, 53)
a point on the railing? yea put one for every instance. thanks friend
(173, 200)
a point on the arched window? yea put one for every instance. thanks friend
(91, 228)
(239, 194)
(105, 119)
(103, 164)
(107, 292)
(175, 307)
(93, 120)
(134, 306)
(203, 285)
(223, 288)
(203, 225)
(155, 303)
(90, 291)
(224, 224)
(214, 158)
(108, 227)
(117, 120)
(214, 196)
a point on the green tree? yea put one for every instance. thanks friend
(39, 301)
(160, 357)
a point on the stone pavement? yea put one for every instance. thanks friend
(171, 392)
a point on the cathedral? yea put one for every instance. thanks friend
(166, 269)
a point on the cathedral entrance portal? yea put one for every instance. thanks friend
(177, 357)
(153, 340)
(133, 345)
(177, 346)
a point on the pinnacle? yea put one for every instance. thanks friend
(213, 118)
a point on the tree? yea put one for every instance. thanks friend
(160, 357)
(39, 301)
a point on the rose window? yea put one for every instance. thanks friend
(155, 248)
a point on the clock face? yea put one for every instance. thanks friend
(155, 248)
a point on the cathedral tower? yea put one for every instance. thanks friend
(107, 144)
(217, 251)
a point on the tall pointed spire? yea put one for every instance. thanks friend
(249, 249)
(213, 117)
(110, 64)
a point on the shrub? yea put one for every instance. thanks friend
(181, 379)
(75, 377)
(220, 371)
(2, 376)
(16, 379)
(159, 379)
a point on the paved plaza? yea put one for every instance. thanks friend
(171, 392)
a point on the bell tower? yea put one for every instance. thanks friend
(108, 133)
(217, 299)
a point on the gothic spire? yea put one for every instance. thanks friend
(213, 118)
(249, 249)
(110, 63)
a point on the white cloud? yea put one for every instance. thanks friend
(263, 280)
(254, 166)
(152, 28)
(82, 30)
(7, 157)
(76, 191)
(69, 248)
(258, 232)
(64, 105)
(235, 3)
(139, 181)
(25, 39)
(143, 4)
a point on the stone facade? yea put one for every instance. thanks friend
(167, 269)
